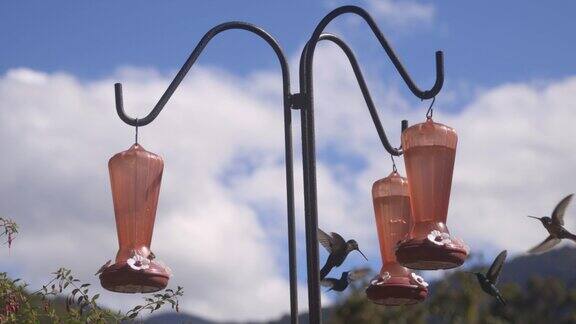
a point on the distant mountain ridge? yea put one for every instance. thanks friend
(170, 318)
(559, 263)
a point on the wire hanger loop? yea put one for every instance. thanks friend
(430, 111)
(394, 169)
(136, 135)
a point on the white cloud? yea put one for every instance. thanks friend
(516, 157)
(397, 15)
(222, 145)
(401, 12)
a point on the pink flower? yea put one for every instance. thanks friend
(381, 279)
(386, 276)
(419, 280)
(138, 262)
(439, 238)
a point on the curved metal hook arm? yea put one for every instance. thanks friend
(363, 87)
(192, 59)
(287, 130)
(426, 94)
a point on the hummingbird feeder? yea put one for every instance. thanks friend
(303, 101)
(135, 176)
(395, 285)
(429, 153)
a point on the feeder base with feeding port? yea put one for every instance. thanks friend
(396, 286)
(437, 250)
(122, 278)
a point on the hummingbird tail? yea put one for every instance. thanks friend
(571, 237)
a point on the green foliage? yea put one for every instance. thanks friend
(459, 299)
(76, 303)
(153, 304)
(65, 299)
(8, 230)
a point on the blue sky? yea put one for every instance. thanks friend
(510, 69)
(486, 43)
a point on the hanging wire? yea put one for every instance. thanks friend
(393, 164)
(136, 135)
(133, 213)
(430, 111)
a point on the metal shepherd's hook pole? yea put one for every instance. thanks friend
(287, 100)
(306, 98)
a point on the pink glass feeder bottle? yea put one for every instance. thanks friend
(135, 176)
(394, 285)
(429, 154)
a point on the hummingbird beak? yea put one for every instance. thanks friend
(538, 218)
(358, 249)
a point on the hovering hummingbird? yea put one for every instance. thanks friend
(555, 227)
(345, 279)
(338, 249)
(102, 268)
(488, 282)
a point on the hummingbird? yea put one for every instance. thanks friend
(338, 249)
(555, 227)
(345, 279)
(488, 282)
(102, 268)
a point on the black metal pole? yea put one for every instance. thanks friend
(287, 100)
(308, 132)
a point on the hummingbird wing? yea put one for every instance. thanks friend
(558, 213)
(328, 282)
(496, 267)
(358, 274)
(546, 245)
(332, 242)
(325, 240)
(338, 242)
